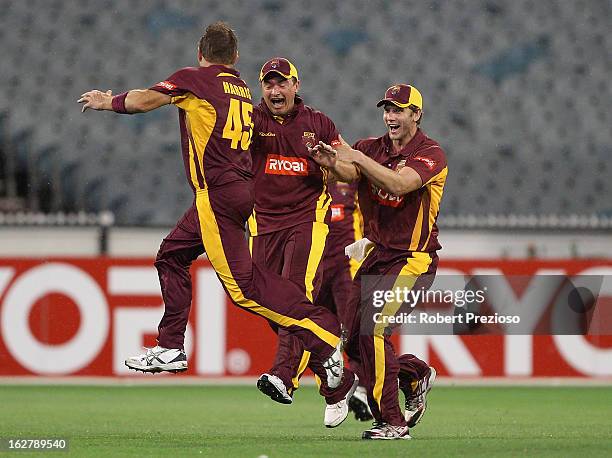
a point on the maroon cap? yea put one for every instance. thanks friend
(281, 66)
(402, 95)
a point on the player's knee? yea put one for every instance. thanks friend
(167, 259)
(162, 256)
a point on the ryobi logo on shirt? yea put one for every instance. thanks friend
(385, 198)
(281, 165)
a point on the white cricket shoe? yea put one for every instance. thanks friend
(334, 367)
(273, 386)
(337, 413)
(384, 431)
(159, 359)
(416, 402)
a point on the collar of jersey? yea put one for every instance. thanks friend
(223, 69)
(407, 150)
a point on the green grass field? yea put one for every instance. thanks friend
(239, 421)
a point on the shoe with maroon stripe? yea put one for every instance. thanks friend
(385, 431)
(159, 359)
(416, 401)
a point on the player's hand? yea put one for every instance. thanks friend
(345, 153)
(323, 154)
(97, 100)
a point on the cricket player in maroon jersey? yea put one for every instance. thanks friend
(288, 227)
(215, 109)
(401, 180)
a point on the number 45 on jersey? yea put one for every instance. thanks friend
(239, 117)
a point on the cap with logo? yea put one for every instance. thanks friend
(281, 66)
(402, 95)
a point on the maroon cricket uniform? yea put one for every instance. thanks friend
(346, 221)
(290, 187)
(215, 119)
(218, 95)
(345, 228)
(409, 222)
(404, 231)
(289, 223)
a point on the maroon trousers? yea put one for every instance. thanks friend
(295, 253)
(336, 288)
(370, 343)
(215, 225)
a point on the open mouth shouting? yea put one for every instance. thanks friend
(278, 102)
(393, 128)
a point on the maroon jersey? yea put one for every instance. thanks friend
(408, 222)
(215, 118)
(290, 187)
(345, 226)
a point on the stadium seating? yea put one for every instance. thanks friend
(519, 101)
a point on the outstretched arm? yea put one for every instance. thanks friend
(341, 159)
(134, 101)
(398, 183)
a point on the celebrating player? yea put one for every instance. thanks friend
(215, 110)
(288, 227)
(402, 176)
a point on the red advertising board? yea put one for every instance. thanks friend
(82, 317)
